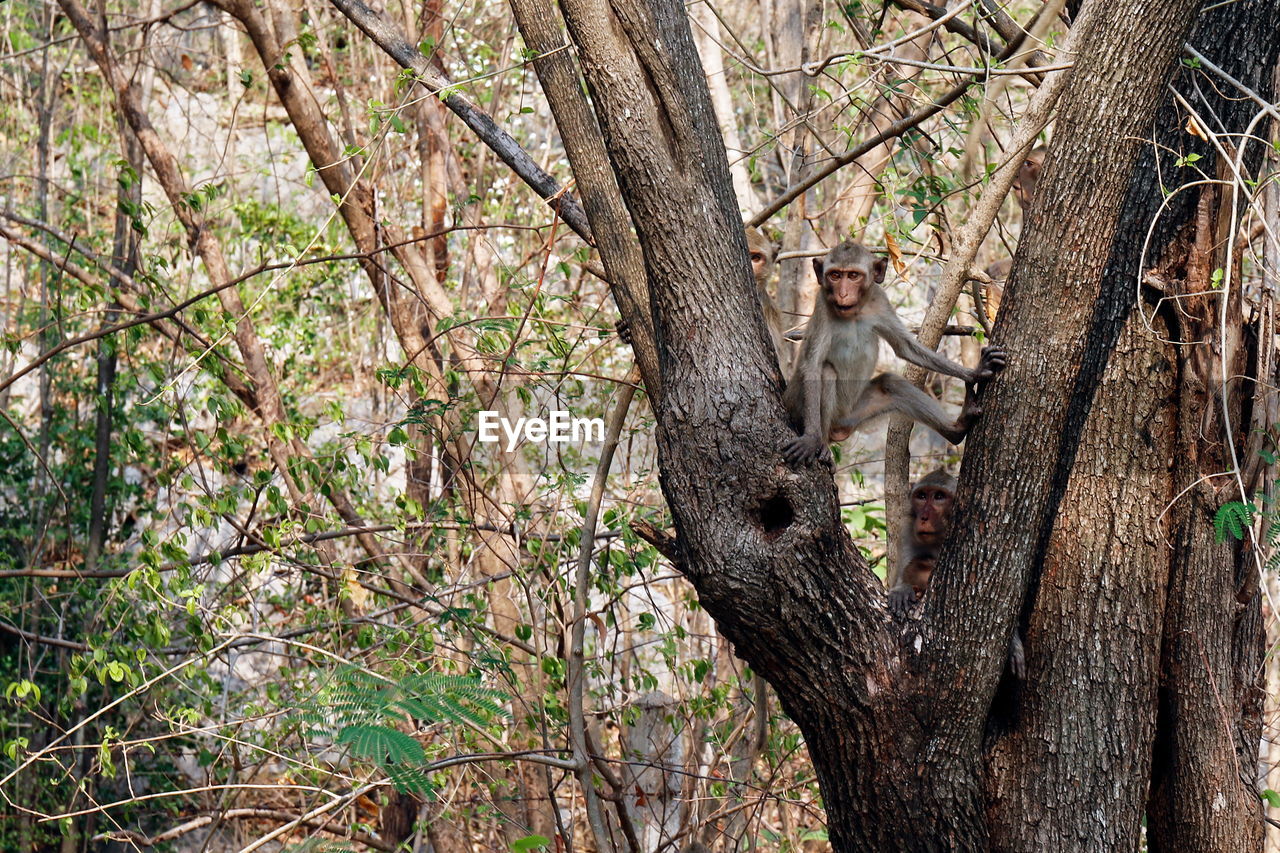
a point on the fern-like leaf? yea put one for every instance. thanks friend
(432, 697)
(364, 709)
(382, 744)
(1232, 518)
(394, 752)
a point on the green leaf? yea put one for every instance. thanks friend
(382, 745)
(1232, 518)
(529, 842)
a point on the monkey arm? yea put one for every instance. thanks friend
(812, 443)
(902, 598)
(805, 400)
(917, 571)
(906, 347)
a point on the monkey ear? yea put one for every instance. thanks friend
(817, 269)
(878, 270)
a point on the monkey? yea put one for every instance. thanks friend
(763, 253)
(832, 390)
(999, 270)
(924, 529)
(1024, 188)
(993, 291)
(1024, 183)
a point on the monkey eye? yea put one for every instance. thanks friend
(756, 257)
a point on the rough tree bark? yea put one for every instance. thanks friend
(1019, 456)
(1203, 794)
(1068, 768)
(1129, 535)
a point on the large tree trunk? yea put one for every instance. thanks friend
(1203, 795)
(1134, 528)
(1019, 457)
(1084, 743)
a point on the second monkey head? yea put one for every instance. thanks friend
(846, 275)
(932, 502)
(763, 253)
(1024, 184)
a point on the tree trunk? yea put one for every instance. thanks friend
(1098, 597)
(1020, 455)
(124, 256)
(1084, 743)
(1203, 794)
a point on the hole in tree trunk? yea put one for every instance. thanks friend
(775, 515)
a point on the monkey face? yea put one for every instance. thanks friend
(1024, 184)
(846, 288)
(931, 513)
(762, 251)
(759, 264)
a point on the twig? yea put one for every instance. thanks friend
(663, 542)
(333, 828)
(307, 539)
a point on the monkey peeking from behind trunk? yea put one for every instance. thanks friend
(924, 529)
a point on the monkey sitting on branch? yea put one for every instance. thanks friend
(832, 391)
(924, 530)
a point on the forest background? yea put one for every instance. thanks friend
(264, 263)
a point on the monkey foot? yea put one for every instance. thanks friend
(993, 360)
(805, 449)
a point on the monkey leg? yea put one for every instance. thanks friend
(873, 402)
(889, 392)
(812, 444)
(832, 394)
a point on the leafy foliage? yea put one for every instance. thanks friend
(361, 710)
